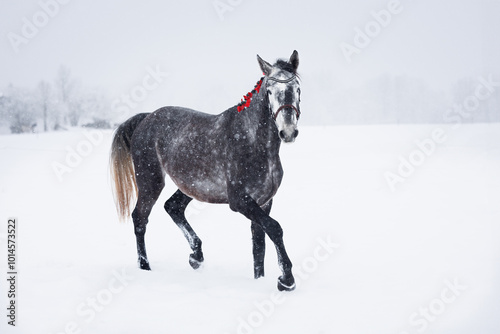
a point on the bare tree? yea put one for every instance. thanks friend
(45, 97)
(18, 109)
(65, 87)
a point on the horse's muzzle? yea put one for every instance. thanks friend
(288, 136)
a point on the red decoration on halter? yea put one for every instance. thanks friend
(245, 102)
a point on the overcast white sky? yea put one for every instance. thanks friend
(110, 44)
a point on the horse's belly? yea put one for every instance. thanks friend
(196, 165)
(205, 189)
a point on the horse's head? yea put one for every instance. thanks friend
(283, 94)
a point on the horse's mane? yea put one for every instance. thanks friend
(245, 102)
(282, 65)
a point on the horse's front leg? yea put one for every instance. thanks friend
(259, 244)
(246, 205)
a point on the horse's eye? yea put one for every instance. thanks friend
(269, 92)
(298, 90)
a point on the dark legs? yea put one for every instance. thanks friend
(249, 208)
(147, 196)
(140, 230)
(175, 207)
(259, 244)
(262, 224)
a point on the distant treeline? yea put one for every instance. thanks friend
(387, 99)
(390, 99)
(53, 106)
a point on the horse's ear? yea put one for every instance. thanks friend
(265, 66)
(294, 60)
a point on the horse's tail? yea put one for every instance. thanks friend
(122, 167)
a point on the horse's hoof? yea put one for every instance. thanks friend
(286, 284)
(144, 264)
(194, 262)
(258, 272)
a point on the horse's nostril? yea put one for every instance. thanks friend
(295, 133)
(282, 134)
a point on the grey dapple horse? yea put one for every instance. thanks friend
(228, 158)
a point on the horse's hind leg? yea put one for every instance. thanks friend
(259, 244)
(175, 207)
(150, 183)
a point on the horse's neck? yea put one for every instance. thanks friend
(256, 121)
(266, 130)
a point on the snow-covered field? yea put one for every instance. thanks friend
(420, 256)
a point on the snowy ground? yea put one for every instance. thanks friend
(421, 257)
